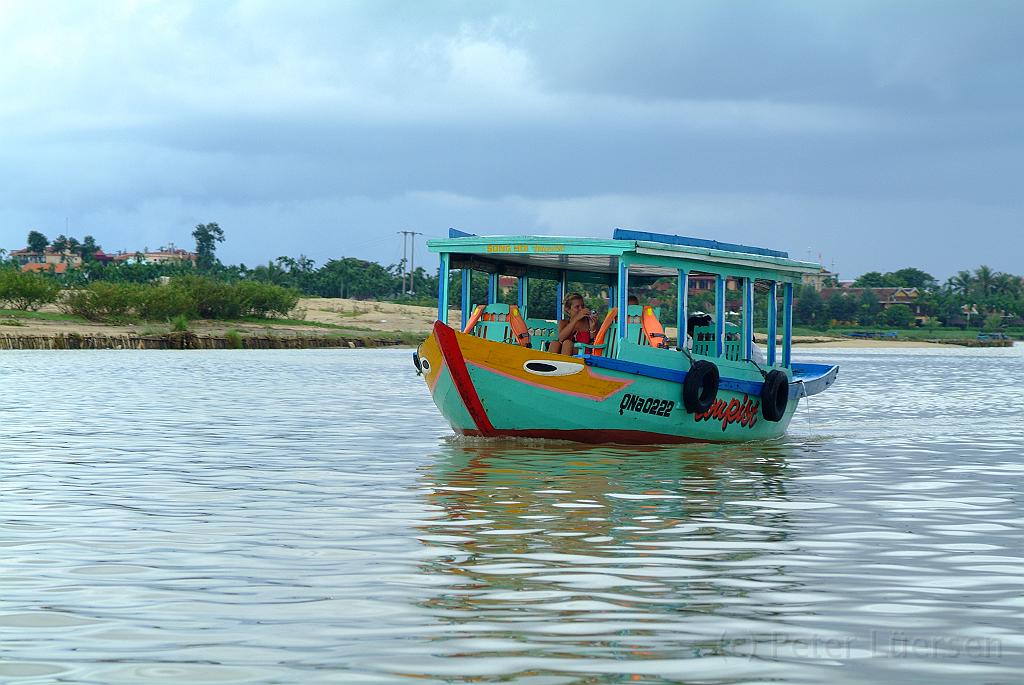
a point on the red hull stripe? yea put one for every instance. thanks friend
(596, 436)
(460, 377)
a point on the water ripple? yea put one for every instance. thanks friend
(279, 516)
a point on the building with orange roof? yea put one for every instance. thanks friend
(48, 260)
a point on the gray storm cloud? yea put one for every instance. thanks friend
(322, 128)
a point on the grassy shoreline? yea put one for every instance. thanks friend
(335, 323)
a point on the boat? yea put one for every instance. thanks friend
(490, 374)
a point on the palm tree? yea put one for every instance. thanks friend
(984, 279)
(1006, 284)
(961, 283)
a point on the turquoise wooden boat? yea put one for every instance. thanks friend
(492, 377)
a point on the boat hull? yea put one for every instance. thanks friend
(492, 389)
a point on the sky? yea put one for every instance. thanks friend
(869, 136)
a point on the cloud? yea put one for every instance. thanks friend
(361, 118)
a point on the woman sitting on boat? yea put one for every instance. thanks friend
(578, 326)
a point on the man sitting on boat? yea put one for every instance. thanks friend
(578, 326)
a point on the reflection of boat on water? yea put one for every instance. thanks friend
(491, 377)
(638, 520)
(674, 481)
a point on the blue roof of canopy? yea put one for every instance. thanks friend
(626, 234)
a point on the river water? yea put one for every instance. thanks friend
(306, 517)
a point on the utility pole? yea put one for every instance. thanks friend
(409, 236)
(404, 241)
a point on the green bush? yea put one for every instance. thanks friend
(20, 290)
(993, 322)
(179, 324)
(265, 300)
(164, 302)
(897, 316)
(189, 297)
(102, 301)
(234, 339)
(213, 299)
(216, 299)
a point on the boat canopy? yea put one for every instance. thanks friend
(612, 262)
(649, 254)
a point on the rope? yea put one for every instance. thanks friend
(688, 355)
(764, 374)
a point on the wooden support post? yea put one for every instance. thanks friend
(748, 318)
(524, 292)
(787, 327)
(467, 275)
(719, 315)
(622, 292)
(682, 294)
(442, 289)
(561, 290)
(773, 322)
(492, 288)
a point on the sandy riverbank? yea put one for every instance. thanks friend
(319, 316)
(333, 317)
(844, 342)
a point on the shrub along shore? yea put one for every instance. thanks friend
(196, 312)
(192, 341)
(185, 312)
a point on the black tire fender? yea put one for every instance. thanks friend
(700, 387)
(775, 395)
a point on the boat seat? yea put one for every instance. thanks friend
(518, 330)
(654, 332)
(490, 322)
(504, 323)
(704, 341)
(643, 326)
(542, 332)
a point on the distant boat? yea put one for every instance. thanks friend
(492, 377)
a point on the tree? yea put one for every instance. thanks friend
(356, 278)
(37, 242)
(63, 244)
(26, 290)
(809, 309)
(207, 236)
(872, 279)
(271, 273)
(842, 308)
(88, 249)
(1007, 285)
(984, 280)
(60, 243)
(961, 283)
(868, 308)
(897, 316)
(301, 273)
(912, 278)
(993, 321)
